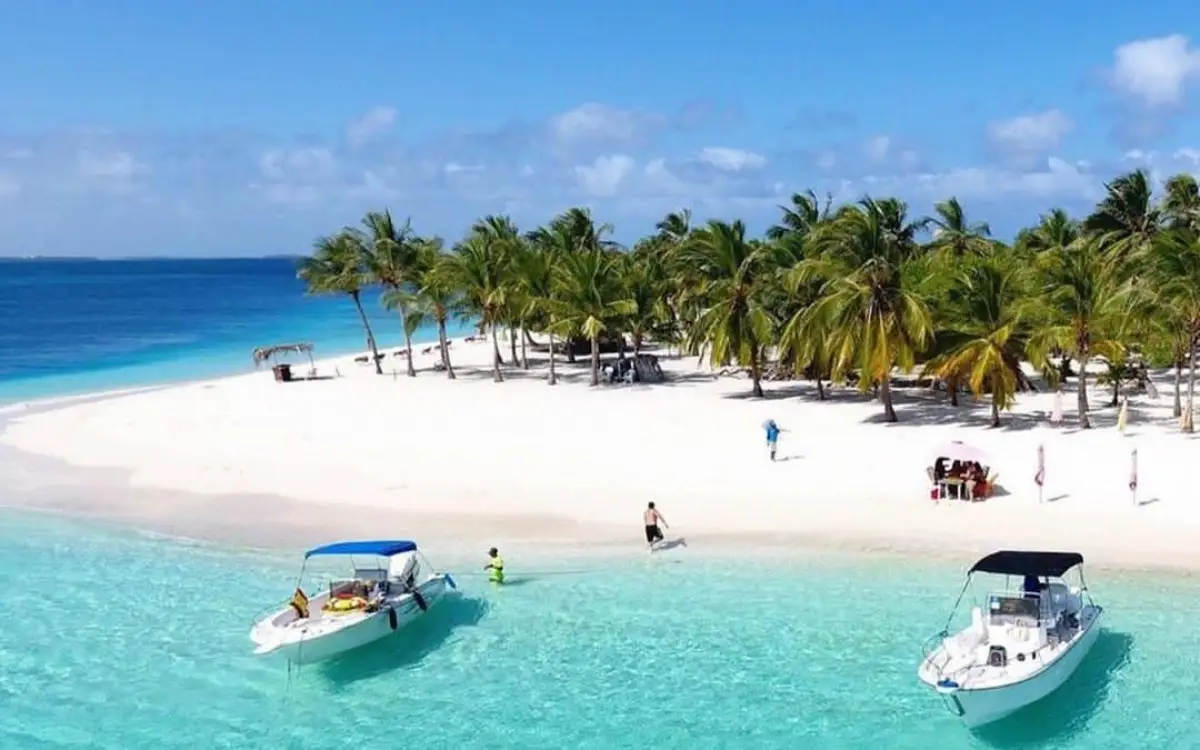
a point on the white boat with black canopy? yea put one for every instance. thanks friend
(1022, 646)
(381, 597)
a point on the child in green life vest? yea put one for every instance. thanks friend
(495, 566)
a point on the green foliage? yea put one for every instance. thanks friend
(838, 292)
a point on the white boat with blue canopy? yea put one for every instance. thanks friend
(1023, 647)
(387, 591)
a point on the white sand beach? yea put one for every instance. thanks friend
(573, 462)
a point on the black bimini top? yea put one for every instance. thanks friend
(1018, 563)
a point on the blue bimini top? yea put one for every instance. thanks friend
(382, 548)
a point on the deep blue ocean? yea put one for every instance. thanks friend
(75, 326)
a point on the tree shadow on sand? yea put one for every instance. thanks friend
(926, 408)
(410, 646)
(1065, 713)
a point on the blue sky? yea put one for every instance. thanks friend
(136, 127)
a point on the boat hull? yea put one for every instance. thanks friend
(978, 707)
(300, 645)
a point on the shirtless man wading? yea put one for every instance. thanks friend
(653, 518)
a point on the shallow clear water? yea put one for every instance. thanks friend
(150, 650)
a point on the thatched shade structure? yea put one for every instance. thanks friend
(264, 353)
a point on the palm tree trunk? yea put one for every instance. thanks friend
(820, 389)
(1116, 385)
(444, 341)
(755, 377)
(952, 386)
(553, 379)
(1188, 427)
(370, 336)
(524, 354)
(637, 343)
(885, 395)
(512, 344)
(595, 360)
(496, 375)
(1177, 407)
(995, 411)
(412, 371)
(1084, 422)
(528, 338)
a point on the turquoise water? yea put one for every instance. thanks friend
(149, 650)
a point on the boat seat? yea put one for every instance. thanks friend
(964, 644)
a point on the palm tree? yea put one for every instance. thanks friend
(436, 298)
(536, 272)
(989, 330)
(582, 234)
(478, 269)
(790, 294)
(1054, 233)
(1055, 230)
(868, 309)
(646, 287)
(675, 226)
(503, 234)
(953, 234)
(591, 298)
(733, 324)
(1126, 219)
(1175, 262)
(1086, 307)
(391, 254)
(1181, 204)
(804, 215)
(338, 266)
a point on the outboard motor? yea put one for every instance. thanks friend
(403, 570)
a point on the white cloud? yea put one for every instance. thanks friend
(826, 160)
(118, 166)
(878, 147)
(300, 165)
(732, 159)
(1137, 155)
(598, 122)
(1030, 134)
(1189, 155)
(1155, 72)
(604, 176)
(376, 122)
(1055, 180)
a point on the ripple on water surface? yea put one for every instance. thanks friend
(148, 648)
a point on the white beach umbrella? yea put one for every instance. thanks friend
(1123, 417)
(1056, 416)
(957, 450)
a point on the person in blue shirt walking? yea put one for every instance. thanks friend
(773, 431)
